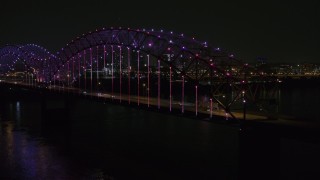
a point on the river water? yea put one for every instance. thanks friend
(113, 142)
(300, 102)
(104, 141)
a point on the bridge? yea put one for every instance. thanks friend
(139, 67)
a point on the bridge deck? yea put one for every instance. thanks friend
(152, 102)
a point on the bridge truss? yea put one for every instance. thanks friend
(153, 68)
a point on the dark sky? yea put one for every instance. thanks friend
(278, 31)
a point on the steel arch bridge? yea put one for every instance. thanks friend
(149, 67)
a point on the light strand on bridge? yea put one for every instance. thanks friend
(68, 76)
(210, 108)
(85, 70)
(138, 78)
(73, 70)
(129, 75)
(120, 70)
(91, 74)
(148, 80)
(79, 70)
(98, 67)
(196, 87)
(112, 72)
(104, 56)
(170, 89)
(182, 96)
(58, 77)
(159, 74)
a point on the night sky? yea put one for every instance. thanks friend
(278, 32)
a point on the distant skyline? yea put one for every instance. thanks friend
(276, 31)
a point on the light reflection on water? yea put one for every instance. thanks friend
(25, 157)
(120, 143)
(302, 103)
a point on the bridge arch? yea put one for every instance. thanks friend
(29, 59)
(163, 69)
(199, 67)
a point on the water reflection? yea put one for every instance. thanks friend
(18, 114)
(302, 103)
(25, 157)
(114, 145)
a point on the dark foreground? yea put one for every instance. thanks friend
(93, 140)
